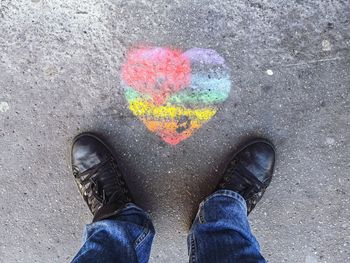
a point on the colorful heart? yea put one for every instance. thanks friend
(175, 93)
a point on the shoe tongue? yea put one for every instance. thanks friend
(240, 183)
(116, 197)
(107, 180)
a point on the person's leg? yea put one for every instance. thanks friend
(220, 231)
(120, 231)
(126, 237)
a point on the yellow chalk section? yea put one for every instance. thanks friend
(143, 108)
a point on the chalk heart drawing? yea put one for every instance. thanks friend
(174, 92)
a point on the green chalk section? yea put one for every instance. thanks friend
(131, 95)
(187, 96)
(198, 97)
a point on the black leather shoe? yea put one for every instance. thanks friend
(98, 177)
(250, 171)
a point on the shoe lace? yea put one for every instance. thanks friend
(238, 177)
(105, 188)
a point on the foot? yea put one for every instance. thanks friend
(98, 177)
(249, 172)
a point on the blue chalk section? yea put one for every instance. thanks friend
(205, 82)
(204, 89)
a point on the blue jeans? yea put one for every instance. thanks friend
(220, 233)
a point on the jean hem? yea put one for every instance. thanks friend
(119, 211)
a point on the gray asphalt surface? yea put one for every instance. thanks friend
(60, 75)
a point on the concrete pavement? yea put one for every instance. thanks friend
(289, 63)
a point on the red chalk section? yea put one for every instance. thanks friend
(158, 72)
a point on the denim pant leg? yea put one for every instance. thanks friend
(125, 238)
(221, 232)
